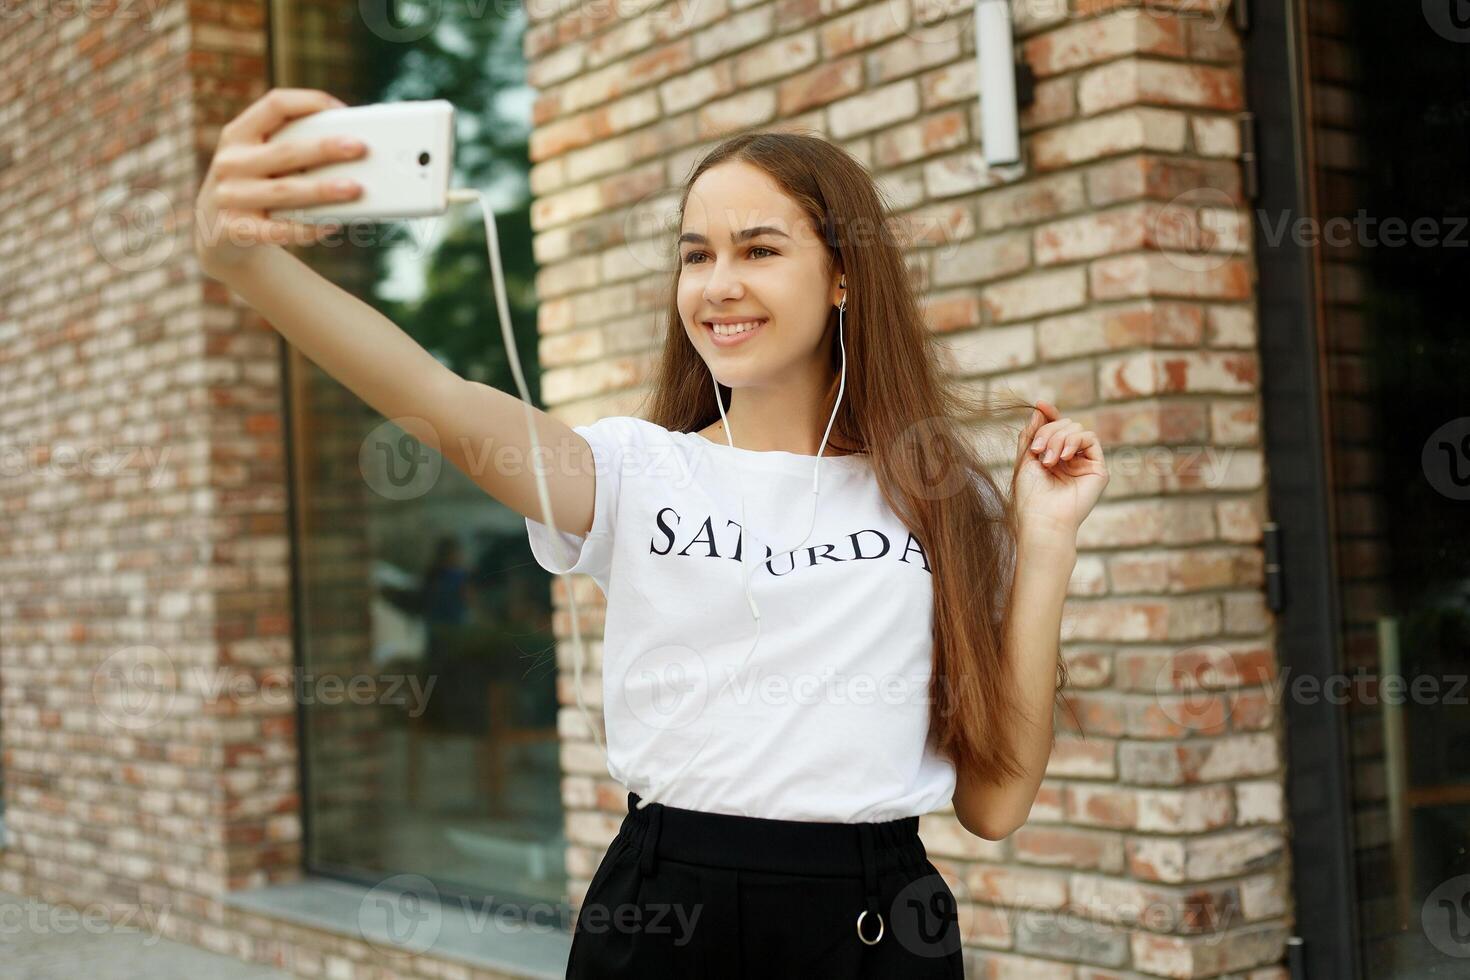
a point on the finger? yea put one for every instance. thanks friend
(273, 110)
(1088, 458)
(257, 194)
(1029, 431)
(283, 157)
(1057, 442)
(1048, 432)
(1090, 449)
(1070, 444)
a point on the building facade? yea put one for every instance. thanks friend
(277, 682)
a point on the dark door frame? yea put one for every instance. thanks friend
(1295, 428)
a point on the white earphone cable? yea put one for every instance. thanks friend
(744, 551)
(502, 310)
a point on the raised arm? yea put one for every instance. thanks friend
(479, 429)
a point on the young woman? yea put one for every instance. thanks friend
(824, 619)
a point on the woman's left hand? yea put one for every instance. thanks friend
(1057, 483)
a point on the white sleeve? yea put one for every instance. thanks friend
(561, 552)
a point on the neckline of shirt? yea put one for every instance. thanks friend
(778, 456)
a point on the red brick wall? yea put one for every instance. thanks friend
(1156, 846)
(169, 549)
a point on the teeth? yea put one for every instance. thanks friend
(731, 329)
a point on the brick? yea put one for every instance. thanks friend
(695, 88)
(868, 25)
(1089, 42)
(1138, 81)
(1185, 810)
(1159, 373)
(1117, 132)
(745, 111)
(775, 59)
(1145, 323)
(1091, 235)
(988, 351)
(1069, 848)
(904, 56)
(826, 83)
(734, 33)
(959, 173)
(873, 110)
(982, 260)
(922, 138)
(1036, 200)
(1030, 888)
(1035, 294)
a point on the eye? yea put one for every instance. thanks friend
(689, 259)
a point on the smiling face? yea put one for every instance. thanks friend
(779, 277)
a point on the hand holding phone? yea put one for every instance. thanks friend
(248, 176)
(405, 171)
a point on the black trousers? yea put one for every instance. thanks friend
(687, 894)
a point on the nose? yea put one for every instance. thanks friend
(722, 285)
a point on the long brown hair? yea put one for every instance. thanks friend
(908, 418)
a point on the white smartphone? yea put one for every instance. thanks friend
(404, 173)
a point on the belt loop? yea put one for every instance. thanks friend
(648, 861)
(870, 884)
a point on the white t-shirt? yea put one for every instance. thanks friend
(829, 719)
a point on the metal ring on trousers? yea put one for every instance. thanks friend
(874, 940)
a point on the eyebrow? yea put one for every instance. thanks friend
(740, 236)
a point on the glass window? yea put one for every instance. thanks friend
(406, 572)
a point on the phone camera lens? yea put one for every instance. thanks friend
(424, 159)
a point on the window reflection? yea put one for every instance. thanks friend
(411, 582)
